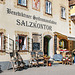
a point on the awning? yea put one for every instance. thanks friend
(60, 35)
(71, 38)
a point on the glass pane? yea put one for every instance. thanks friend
(19, 1)
(23, 2)
(46, 6)
(0, 42)
(49, 7)
(64, 13)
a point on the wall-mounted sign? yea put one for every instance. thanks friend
(36, 18)
(36, 46)
(33, 24)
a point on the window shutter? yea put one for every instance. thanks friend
(41, 42)
(23, 2)
(19, 1)
(3, 44)
(17, 42)
(28, 43)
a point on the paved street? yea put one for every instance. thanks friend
(54, 70)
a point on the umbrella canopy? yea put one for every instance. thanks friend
(64, 50)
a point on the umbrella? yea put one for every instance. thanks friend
(64, 50)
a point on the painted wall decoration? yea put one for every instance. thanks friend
(36, 4)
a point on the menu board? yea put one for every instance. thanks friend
(36, 46)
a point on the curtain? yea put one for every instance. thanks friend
(23, 2)
(64, 13)
(24, 46)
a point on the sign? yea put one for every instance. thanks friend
(36, 18)
(33, 24)
(36, 46)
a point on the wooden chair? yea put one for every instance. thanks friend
(33, 60)
(40, 58)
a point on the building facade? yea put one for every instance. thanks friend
(72, 23)
(28, 25)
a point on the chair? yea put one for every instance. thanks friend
(33, 60)
(40, 58)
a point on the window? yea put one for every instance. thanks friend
(1, 0)
(0, 41)
(21, 42)
(36, 4)
(22, 2)
(48, 7)
(71, 7)
(37, 42)
(63, 14)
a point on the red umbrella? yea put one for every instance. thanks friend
(64, 50)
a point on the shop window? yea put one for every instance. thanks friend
(22, 42)
(63, 13)
(63, 44)
(37, 42)
(48, 7)
(36, 4)
(22, 2)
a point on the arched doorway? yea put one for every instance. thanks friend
(47, 44)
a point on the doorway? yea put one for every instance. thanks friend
(47, 45)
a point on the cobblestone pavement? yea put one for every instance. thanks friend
(53, 70)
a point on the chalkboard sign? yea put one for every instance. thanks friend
(55, 44)
(36, 46)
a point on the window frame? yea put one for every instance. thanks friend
(51, 7)
(38, 35)
(62, 13)
(23, 5)
(26, 43)
(2, 2)
(34, 8)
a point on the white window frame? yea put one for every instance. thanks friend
(48, 8)
(22, 3)
(26, 41)
(63, 12)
